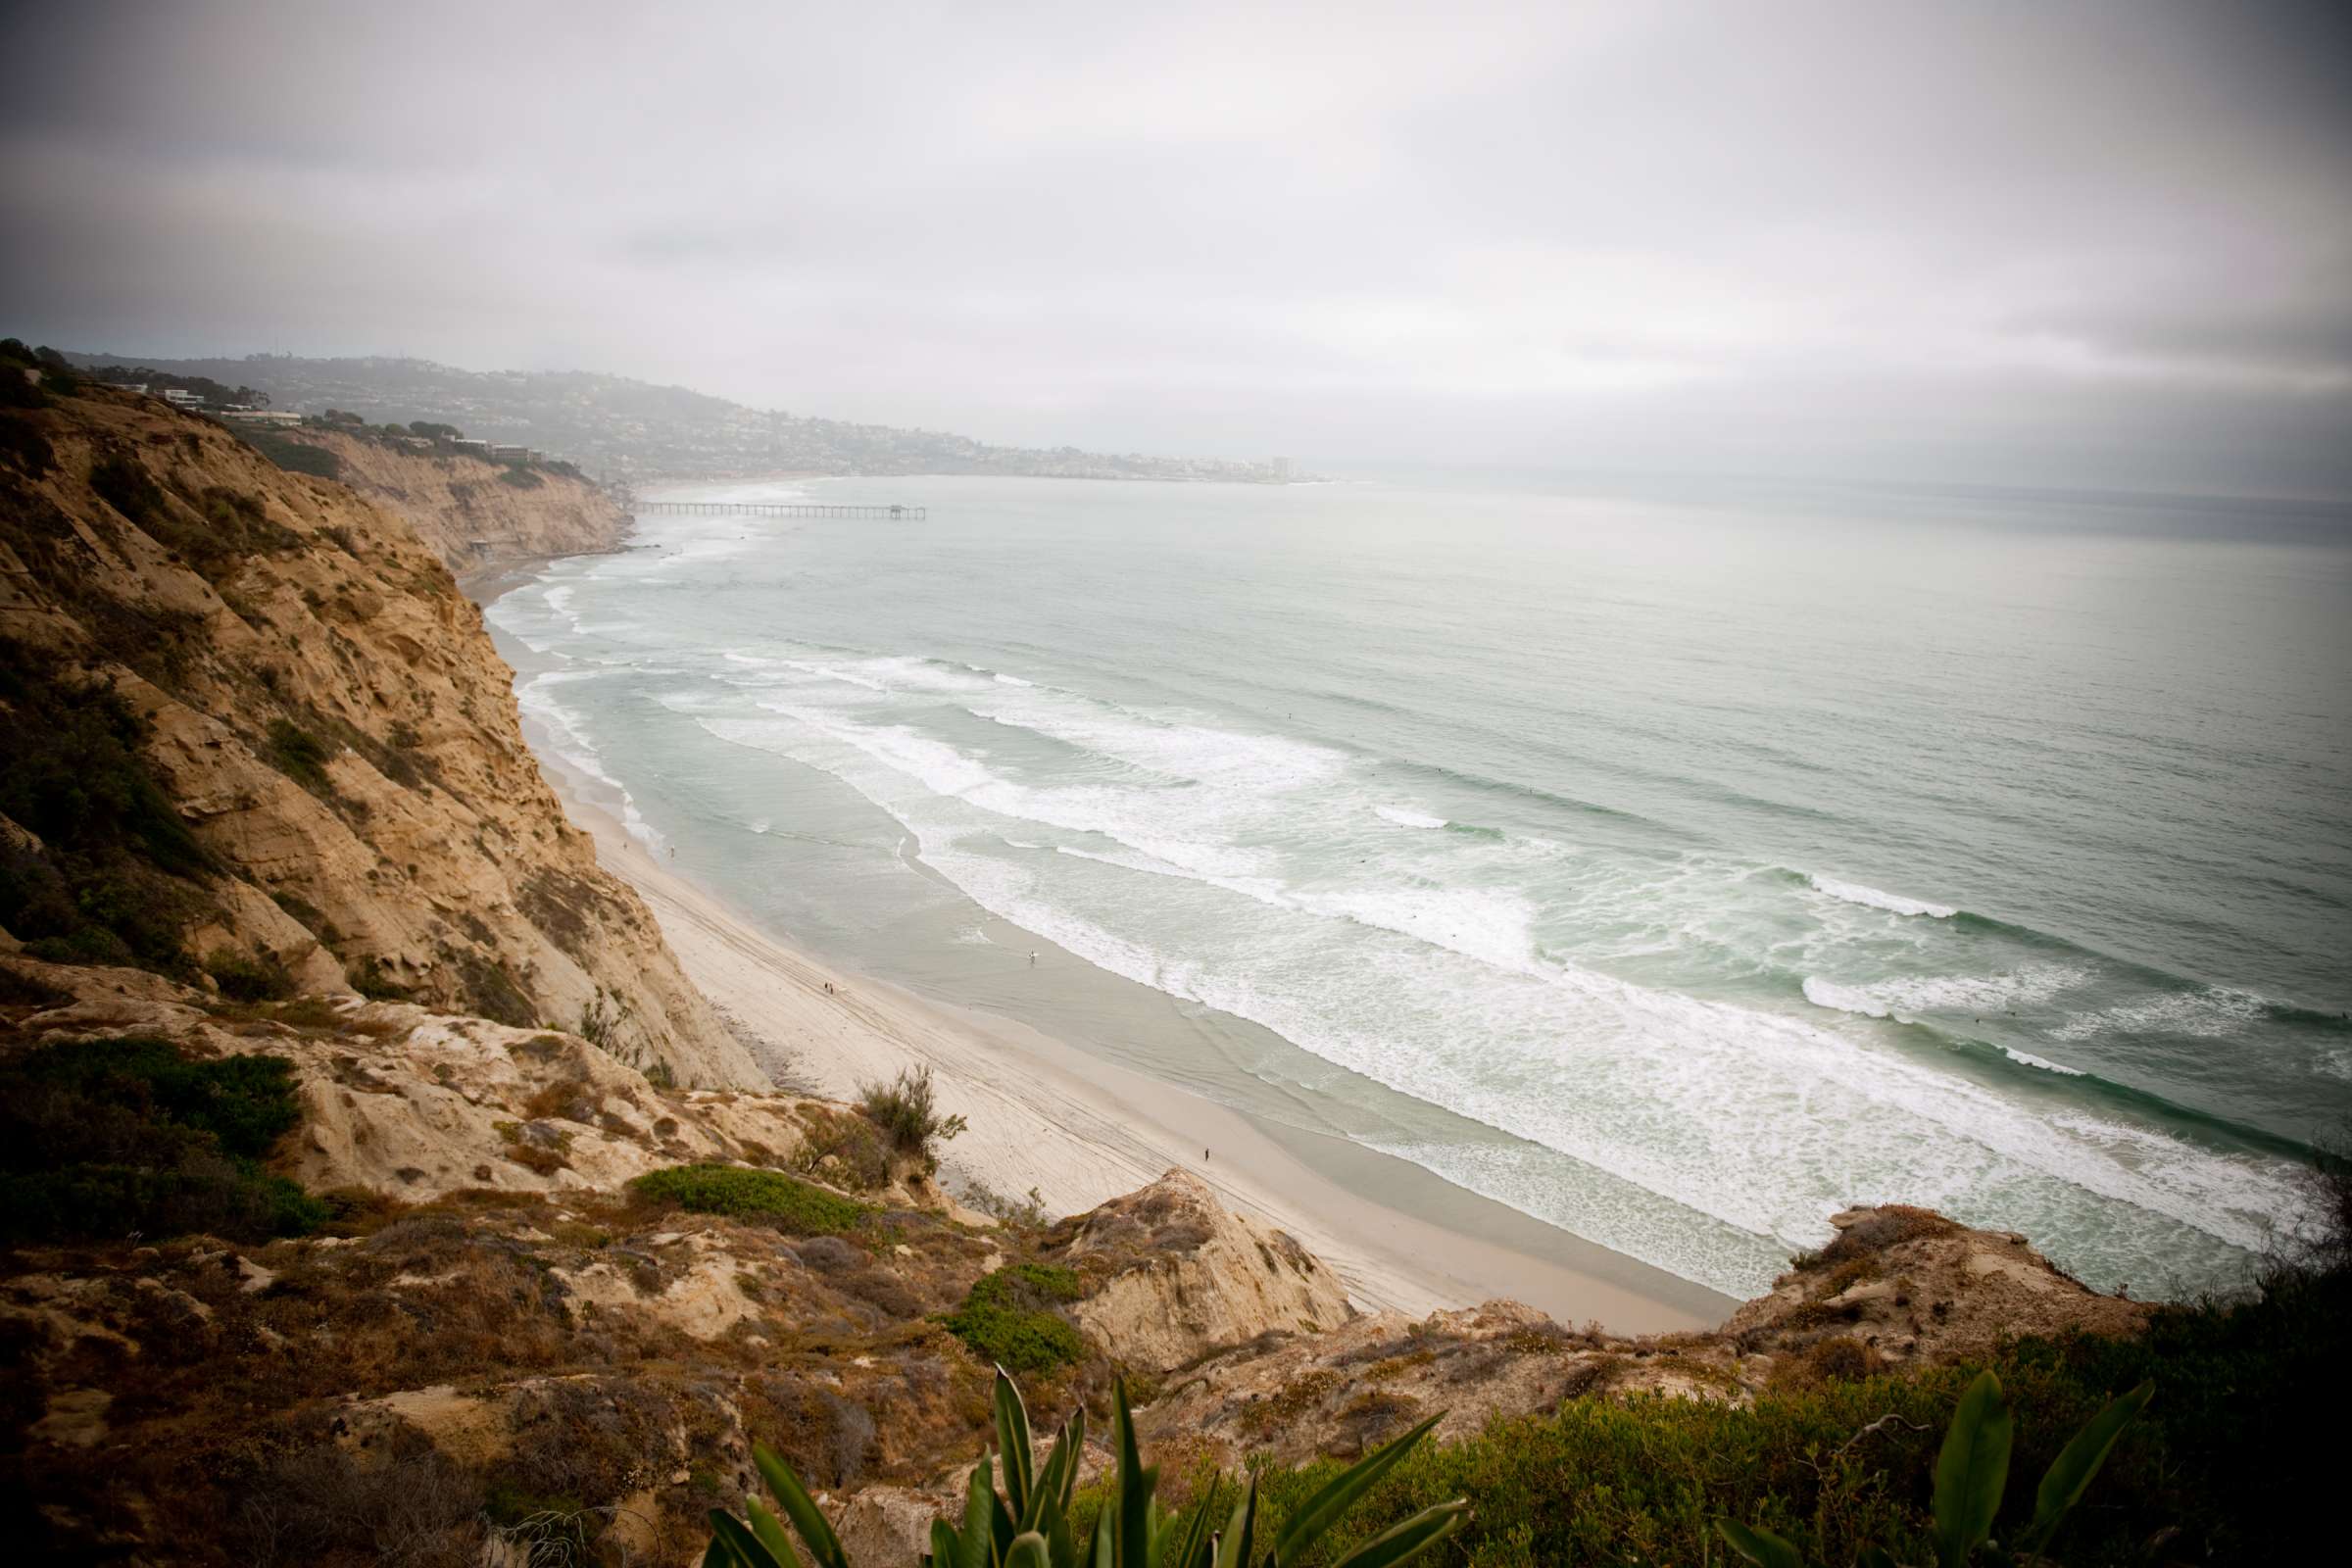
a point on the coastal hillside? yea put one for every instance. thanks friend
(624, 428)
(472, 512)
(258, 741)
(515, 1297)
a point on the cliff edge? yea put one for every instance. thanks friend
(263, 744)
(474, 512)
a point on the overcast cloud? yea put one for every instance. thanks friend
(2077, 243)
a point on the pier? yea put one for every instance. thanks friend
(777, 508)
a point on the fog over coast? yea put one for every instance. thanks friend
(2100, 245)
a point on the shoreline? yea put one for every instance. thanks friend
(1047, 1116)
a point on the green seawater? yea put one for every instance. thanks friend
(1674, 869)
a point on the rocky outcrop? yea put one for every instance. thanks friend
(1897, 1286)
(472, 512)
(1299, 1396)
(1174, 1275)
(1907, 1285)
(328, 721)
(417, 1104)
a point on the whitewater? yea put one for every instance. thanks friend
(1674, 874)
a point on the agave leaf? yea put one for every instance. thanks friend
(1049, 1493)
(1192, 1548)
(945, 1550)
(1013, 1443)
(2079, 1462)
(772, 1534)
(1240, 1540)
(1069, 1477)
(1971, 1471)
(1028, 1551)
(1135, 1486)
(1105, 1552)
(741, 1542)
(1323, 1510)
(1410, 1539)
(1874, 1557)
(976, 1547)
(1759, 1545)
(1061, 1550)
(799, 1509)
(716, 1554)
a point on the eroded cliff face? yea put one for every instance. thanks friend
(326, 718)
(472, 512)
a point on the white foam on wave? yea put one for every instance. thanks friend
(2215, 1014)
(2025, 1059)
(1872, 898)
(568, 733)
(1846, 999)
(1404, 817)
(1676, 1106)
(1918, 996)
(1705, 1106)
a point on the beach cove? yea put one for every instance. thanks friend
(1589, 957)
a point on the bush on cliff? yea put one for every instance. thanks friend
(104, 878)
(907, 1109)
(747, 1193)
(105, 1137)
(295, 457)
(1008, 1318)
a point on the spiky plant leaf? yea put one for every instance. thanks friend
(799, 1509)
(1971, 1471)
(745, 1546)
(1134, 1488)
(1192, 1548)
(2079, 1462)
(1013, 1443)
(1240, 1540)
(772, 1534)
(1410, 1539)
(1323, 1510)
(1759, 1545)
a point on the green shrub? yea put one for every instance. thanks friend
(748, 1193)
(293, 455)
(1008, 1318)
(369, 977)
(107, 883)
(907, 1109)
(243, 978)
(103, 1137)
(123, 485)
(520, 477)
(300, 755)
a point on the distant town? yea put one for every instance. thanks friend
(617, 430)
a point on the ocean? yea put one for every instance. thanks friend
(1675, 869)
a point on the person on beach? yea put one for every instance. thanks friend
(1032, 958)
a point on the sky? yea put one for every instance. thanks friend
(2091, 244)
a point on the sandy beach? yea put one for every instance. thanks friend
(1047, 1117)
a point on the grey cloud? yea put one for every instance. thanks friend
(2102, 243)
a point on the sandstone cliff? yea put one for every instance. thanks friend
(474, 512)
(326, 721)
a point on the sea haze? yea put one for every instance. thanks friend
(1676, 873)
